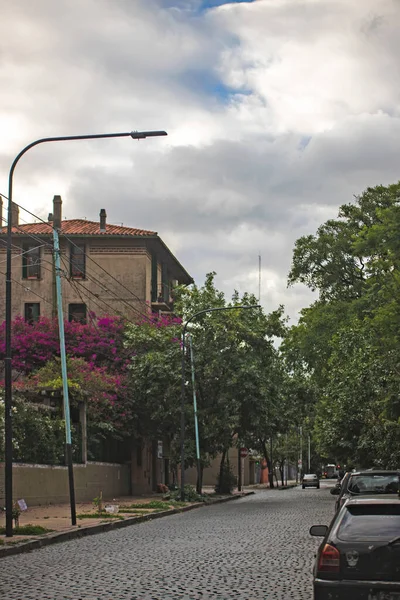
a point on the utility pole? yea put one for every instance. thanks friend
(196, 422)
(67, 418)
(309, 453)
(301, 451)
(259, 277)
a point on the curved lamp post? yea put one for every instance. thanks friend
(201, 312)
(136, 135)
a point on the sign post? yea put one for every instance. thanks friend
(243, 452)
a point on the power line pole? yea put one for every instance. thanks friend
(67, 418)
(196, 422)
(259, 277)
(309, 453)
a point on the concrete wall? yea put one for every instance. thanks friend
(43, 484)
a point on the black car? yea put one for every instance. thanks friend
(366, 483)
(359, 558)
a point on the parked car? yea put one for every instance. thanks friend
(310, 480)
(359, 557)
(362, 483)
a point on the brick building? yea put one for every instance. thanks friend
(108, 269)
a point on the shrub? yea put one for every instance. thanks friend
(190, 495)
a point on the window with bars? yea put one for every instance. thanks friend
(78, 261)
(30, 261)
(77, 312)
(32, 312)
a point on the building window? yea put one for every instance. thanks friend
(78, 261)
(77, 312)
(32, 312)
(30, 262)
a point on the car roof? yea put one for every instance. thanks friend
(384, 499)
(376, 472)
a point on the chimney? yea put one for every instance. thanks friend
(57, 215)
(50, 218)
(14, 214)
(103, 217)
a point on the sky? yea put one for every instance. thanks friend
(277, 112)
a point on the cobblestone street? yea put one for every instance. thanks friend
(253, 548)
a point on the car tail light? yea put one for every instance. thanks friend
(329, 560)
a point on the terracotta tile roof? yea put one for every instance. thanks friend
(78, 227)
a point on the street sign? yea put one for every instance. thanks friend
(243, 452)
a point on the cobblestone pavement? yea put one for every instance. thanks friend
(255, 548)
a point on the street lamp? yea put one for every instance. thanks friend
(201, 312)
(136, 135)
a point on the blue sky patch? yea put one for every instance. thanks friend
(199, 6)
(205, 83)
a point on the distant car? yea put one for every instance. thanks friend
(365, 483)
(310, 480)
(359, 557)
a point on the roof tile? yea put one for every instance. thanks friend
(78, 227)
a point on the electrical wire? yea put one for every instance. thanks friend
(137, 298)
(106, 272)
(90, 295)
(109, 291)
(22, 253)
(28, 289)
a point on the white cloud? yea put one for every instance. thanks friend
(314, 120)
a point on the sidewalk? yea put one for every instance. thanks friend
(56, 518)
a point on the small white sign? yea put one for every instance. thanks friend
(159, 449)
(22, 505)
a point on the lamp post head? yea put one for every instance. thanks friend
(141, 135)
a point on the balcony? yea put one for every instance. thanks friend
(162, 298)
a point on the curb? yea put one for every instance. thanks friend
(73, 534)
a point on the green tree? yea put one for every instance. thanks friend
(346, 344)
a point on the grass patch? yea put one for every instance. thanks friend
(139, 512)
(98, 516)
(152, 504)
(27, 530)
(1, 542)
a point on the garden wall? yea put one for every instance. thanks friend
(44, 484)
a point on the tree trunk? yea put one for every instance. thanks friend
(282, 472)
(221, 468)
(199, 484)
(269, 465)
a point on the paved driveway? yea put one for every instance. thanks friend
(253, 548)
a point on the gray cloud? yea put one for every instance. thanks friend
(277, 113)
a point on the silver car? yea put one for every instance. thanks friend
(310, 480)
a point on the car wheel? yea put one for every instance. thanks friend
(318, 487)
(304, 487)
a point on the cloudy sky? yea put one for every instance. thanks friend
(277, 111)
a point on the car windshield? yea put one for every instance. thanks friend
(310, 476)
(375, 522)
(374, 484)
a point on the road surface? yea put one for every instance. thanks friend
(255, 548)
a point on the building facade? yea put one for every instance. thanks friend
(107, 269)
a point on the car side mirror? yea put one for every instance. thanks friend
(319, 530)
(335, 491)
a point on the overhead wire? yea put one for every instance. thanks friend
(91, 259)
(135, 296)
(89, 294)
